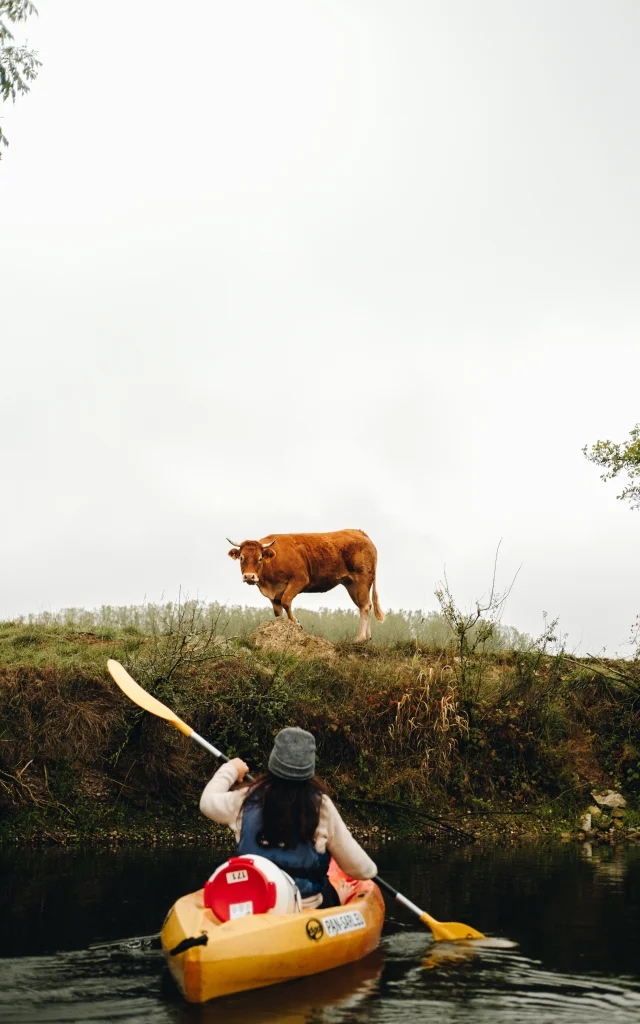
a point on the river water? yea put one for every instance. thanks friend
(76, 942)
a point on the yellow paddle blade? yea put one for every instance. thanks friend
(143, 699)
(450, 931)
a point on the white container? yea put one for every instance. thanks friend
(287, 899)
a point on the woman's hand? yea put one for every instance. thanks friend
(240, 767)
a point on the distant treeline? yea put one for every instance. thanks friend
(428, 628)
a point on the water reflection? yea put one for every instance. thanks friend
(78, 941)
(346, 989)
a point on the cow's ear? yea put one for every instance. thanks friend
(268, 553)
(234, 553)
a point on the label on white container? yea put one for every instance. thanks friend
(240, 909)
(348, 921)
(236, 876)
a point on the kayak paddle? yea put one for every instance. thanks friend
(145, 700)
(449, 931)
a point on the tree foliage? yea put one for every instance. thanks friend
(620, 458)
(18, 64)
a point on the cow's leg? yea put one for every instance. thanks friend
(277, 607)
(358, 590)
(291, 590)
(365, 624)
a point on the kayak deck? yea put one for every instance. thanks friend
(265, 949)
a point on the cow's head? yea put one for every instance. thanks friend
(252, 555)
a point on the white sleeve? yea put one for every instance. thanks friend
(217, 802)
(347, 853)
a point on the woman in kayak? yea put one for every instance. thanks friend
(287, 816)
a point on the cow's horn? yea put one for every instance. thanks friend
(233, 543)
(265, 546)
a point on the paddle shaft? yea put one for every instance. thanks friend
(398, 896)
(197, 738)
(448, 931)
(207, 746)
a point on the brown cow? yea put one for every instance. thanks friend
(283, 565)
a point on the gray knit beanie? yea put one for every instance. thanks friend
(293, 755)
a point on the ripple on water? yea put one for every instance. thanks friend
(82, 986)
(404, 981)
(491, 982)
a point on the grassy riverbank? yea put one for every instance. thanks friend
(498, 743)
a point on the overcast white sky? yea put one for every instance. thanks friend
(312, 265)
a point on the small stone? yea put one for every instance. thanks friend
(617, 812)
(595, 811)
(585, 822)
(609, 798)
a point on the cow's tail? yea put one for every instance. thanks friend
(379, 614)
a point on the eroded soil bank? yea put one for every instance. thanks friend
(413, 742)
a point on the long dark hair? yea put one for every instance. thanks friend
(290, 808)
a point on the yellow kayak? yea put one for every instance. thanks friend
(209, 959)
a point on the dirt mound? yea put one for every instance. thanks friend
(286, 637)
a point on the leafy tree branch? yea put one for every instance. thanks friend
(18, 64)
(620, 458)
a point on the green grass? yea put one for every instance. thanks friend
(58, 645)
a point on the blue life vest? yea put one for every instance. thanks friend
(307, 867)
